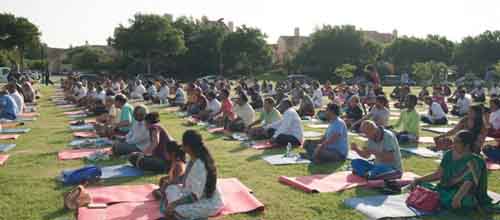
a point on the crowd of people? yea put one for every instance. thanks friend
(14, 97)
(189, 191)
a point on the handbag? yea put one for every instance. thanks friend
(76, 198)
(423, 199)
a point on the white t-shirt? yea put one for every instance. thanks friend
(139, 91)
(464, 103)
(213, 106)
(138, 135)
(245, 112)
(152, 91)
(101, 96)
(18, 98)
(437, 111)
(495, 119)
(164, 92)
(317, 98)
(290, 124)
(81, 93)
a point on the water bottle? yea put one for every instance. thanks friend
(288, 149)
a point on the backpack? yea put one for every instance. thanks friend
(76, 198)
(82, 175)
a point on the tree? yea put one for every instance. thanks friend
(476, 54)
(430, 71)
(149, 37)
(345, 71)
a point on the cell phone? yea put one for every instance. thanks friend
(97, 205)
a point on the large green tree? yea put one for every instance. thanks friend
(149, 38)
(476, 54)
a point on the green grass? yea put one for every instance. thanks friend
(28, 189)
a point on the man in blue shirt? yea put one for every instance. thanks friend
(8, 107)
(333, 146)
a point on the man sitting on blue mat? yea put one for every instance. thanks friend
(384, 145)
(8, 107)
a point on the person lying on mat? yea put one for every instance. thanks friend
(383, 144)
(267, 117)
(408, 123)
(152, 157)
(353, 113)
(226, 113)
(463, 104)
(18, 98)
(333, 146)
(197, 196)
(474, 122)
(436, 114)
(245, 114)
(287, 130)
(379, 113)
(462, 176)
(213, 107)
(176, 171)
(137, 138)
(8, 107)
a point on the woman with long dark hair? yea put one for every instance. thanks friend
(474, 122)
(197, 197)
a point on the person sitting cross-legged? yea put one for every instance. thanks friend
(408, 123)
(464, 101)
(384, 145)
(436, 115)
(245, 114)
(288, 130)
(267, 117)
(8, 107)
(333, 146)
(137, 138)
(213, 107)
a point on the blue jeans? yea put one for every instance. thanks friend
(371, 171)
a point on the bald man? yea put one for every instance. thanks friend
(384, 145)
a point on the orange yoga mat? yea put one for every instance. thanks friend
(73, 154)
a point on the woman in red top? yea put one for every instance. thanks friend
(226, 113)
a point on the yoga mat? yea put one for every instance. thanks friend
(3, 158)
(90, 142)
(80, 112)
(377, 207)
(123, 211)
(28, 115)
(87, 121)
(352, 155)
(492, 165)
(422, 151)
(77, 116)
(73, 154)
(6, 147)
(439, 130)
(336, 182)
(8, 136)
(68, 106)
(426, 140)
(181, 114)
(15, 130)
(216, 130)
(281, 159)
(240, 136)
(312, 134)
(85, 134)
(318, 126)
(127, 193)
(124, 170)
(85, 127)
(237, 197)
(260, 145)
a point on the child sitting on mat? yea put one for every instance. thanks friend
(384, 146)
(197, 196)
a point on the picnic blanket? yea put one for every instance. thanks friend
(8, 136)
(6, 147)
(422, 151)
(336, 182)
(236, 196)
(3, 158)
(85, 134)
(282, 159)
(73, 154)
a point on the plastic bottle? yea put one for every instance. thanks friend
(288, 149)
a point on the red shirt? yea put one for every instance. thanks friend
(227, 109)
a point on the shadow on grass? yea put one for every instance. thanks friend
(60, 213)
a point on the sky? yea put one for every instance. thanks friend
(71, 22)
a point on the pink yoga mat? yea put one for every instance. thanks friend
(236, 196)
(261, 145)
(29, 115)
(73, 154)
(80, 112)
(3, 158)
(8, 136)
(216, 130)
(85, 134)
(336, 182)
(492, 165)
(116, 194)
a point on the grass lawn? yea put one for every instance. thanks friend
(28, 189)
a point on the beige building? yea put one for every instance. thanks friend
(288, 46)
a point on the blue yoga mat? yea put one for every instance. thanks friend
(15, 130)
(109, 172)
(6, 147)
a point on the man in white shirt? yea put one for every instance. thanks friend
(139, 91)
(436, 113)
(18, 98)
(245, 114)
(137, 139)
(213, 106)
(81, 92)
(164, 92)
(464, 101)
(317, 96)
(287, 130)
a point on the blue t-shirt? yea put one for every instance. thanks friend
(8, 108)
(337, 126)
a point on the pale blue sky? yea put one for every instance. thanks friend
(71, 22)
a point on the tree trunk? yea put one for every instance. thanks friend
(21, 58)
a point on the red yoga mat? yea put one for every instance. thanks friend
(85, 134)
(127, 193)
(336, 182)
(8, 136)
(3, 158)
(73, 154)
(236, 196)
(80, 112)
(492, 165)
